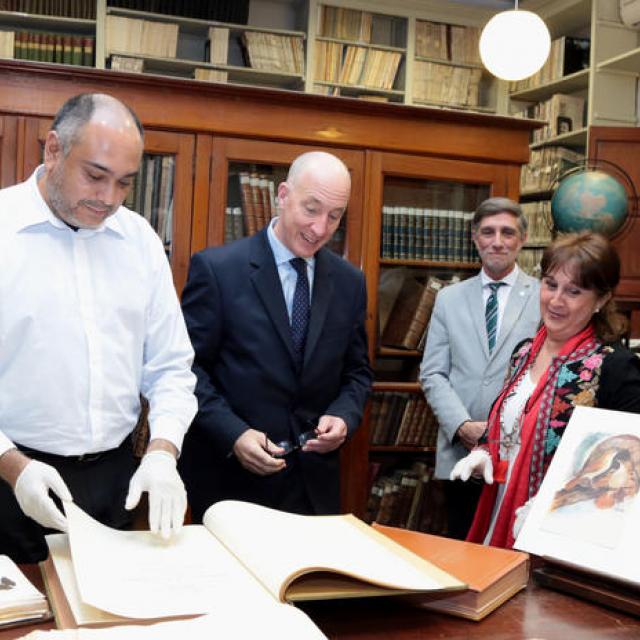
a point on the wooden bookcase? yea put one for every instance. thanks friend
(210, 129)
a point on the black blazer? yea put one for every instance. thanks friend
(238, 323)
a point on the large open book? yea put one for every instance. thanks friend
(586, 515)
(493, 575)
(245, 557)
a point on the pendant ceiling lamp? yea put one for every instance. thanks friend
(514, 44)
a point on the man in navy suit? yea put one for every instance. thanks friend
(277, 322)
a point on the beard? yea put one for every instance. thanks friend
(62, 207)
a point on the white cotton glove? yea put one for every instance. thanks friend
(521, 515)
(32, 493)
(477, 463)
(158, 476)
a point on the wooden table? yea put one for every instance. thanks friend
(534, 614)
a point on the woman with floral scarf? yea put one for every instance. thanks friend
(574, 359)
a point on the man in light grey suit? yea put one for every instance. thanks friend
(474, 328)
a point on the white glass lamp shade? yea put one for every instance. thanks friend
(514, 44)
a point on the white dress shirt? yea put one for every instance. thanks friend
(503, 292)
(88, 320)
(288, 275)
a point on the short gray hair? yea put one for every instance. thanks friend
(78, 111)
(493, 206)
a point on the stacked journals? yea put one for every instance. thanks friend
(454, 43)
(568, 55)
(411, 233)
(143, 37)
(346, 24)
(446, 84)
(538, 215)
(545, 166)
(274, 52)
(563, 113)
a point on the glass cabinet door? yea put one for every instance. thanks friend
(244, 185)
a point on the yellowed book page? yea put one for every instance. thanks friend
(135, 574)
(277, 547)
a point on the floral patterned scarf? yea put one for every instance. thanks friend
(571, 379)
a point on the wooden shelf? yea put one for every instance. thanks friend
(360, 87)
(463, 107)
(359, 43)
(379, 448)
(567, 84)
(577, 138)
(247, 75)
(450, 63)
(37, 21)
(409, 387)
(629, 61)
(391, 352)
(461, 266)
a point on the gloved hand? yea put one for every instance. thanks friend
(477, 463)
(521, 515)
(158, 476)
(32, 493)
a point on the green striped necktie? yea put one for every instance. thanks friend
(491, 314)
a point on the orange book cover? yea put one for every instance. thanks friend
(493, 575)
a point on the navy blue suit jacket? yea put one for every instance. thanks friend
(238, 323)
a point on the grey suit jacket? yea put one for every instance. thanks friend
(459, 377)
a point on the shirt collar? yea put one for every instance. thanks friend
(509, 279)
(281, 253)
(40, 213)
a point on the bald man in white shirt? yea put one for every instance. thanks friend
(90, 320)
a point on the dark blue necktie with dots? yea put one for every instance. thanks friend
(300, 310)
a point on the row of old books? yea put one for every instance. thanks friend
(346, 24)
(567, 55)
(408, 320)
(562, 113)
(142, 37)
(546, 166)
(529, 260)
(411, 233)
(409, 498)
(256, 194)
(456, 43)
(274, 52)
(84, 9)
(152, 194)
(446, 84)
(222, 10)
(350, 64)
(402, 419)
(538, 215)
(47, 47)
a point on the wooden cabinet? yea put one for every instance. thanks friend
(418, 236)
(214, 131)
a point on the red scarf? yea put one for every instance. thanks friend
(521, 485)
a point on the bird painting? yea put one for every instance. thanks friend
(609, 476)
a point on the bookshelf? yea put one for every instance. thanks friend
(388, 148)
(205, 50)
(400, 428)
(358, 53)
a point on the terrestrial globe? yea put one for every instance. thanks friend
(590, 199)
